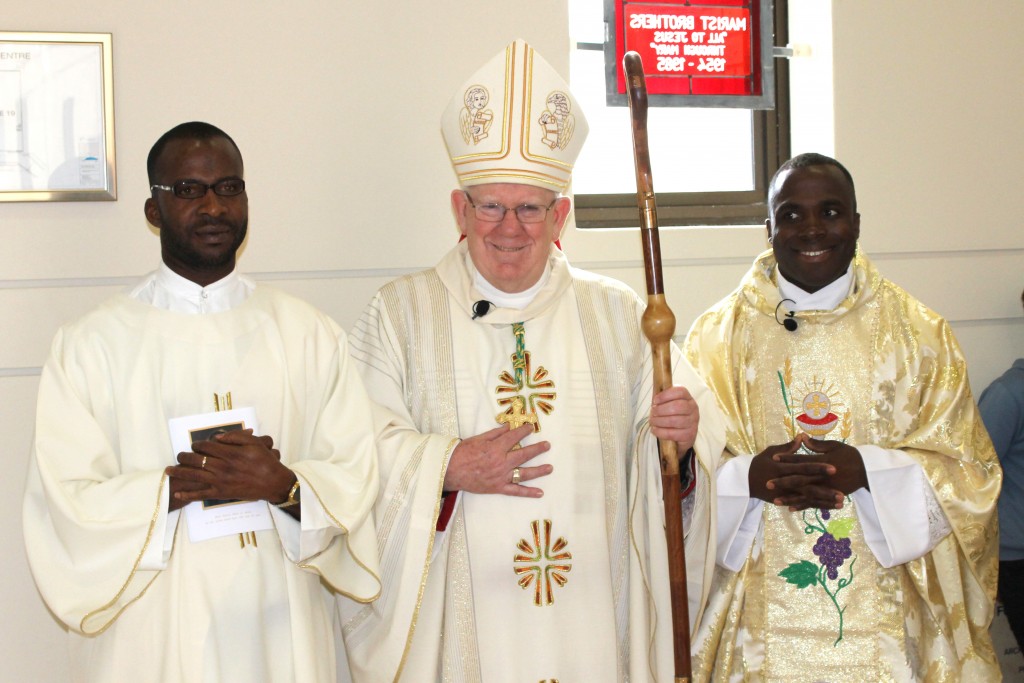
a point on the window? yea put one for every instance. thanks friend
(710, 166)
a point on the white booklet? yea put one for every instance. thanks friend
(214, 518)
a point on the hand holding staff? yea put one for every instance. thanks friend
(659, 325)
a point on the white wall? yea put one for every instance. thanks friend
(335, 106)
(928, 109)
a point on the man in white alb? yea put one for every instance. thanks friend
(228, 591)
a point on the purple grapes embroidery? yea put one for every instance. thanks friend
(832, 550)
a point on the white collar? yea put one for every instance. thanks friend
(517, 300)
(825, 299)
(166, 289)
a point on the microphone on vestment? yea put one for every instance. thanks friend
(481, 308)
(790, 321)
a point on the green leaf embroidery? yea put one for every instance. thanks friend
(801, 574)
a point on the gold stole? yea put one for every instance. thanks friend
(817, 380)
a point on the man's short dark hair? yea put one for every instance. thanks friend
(193, 130)
(810, 159)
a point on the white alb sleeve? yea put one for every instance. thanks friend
(159, 549)
(739, 515)
(900, 515)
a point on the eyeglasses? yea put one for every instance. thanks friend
(193, 189)
(495, 213)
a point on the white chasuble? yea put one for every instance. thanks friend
(218, 610)
(568, 587)
(539, 567)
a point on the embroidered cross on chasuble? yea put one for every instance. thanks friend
(542, 560)
(524, 391)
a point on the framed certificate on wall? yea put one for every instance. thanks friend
(56, 117)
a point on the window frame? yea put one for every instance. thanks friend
(770, 132)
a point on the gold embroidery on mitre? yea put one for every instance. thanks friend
(556, 121)
(531, 391)
(475, 119)
(542, 563)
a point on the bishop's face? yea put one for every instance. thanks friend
(813, 225)
(510, 254)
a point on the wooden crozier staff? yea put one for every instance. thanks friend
(659, 324)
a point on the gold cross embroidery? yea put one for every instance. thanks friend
(526, 379)
(543, 564)
(815, 404)
(519, 409)
(516, 416)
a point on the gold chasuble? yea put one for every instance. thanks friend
(812, 603)
(568, 587)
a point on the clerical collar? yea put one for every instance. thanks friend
(518, 300)
(167, 290)
(825, 299)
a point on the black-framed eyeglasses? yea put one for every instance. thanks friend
(193, 189)
(495, 213)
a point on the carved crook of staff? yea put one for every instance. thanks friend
(659, 324)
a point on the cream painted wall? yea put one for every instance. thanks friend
(335, 108)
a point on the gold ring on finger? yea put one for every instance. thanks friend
(517, 476)
(202, 465)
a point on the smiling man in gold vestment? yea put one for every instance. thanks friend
(841, 388)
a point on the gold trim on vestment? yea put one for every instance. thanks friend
(135, 566)
(308, 486)
(527, 122)
(426, 561)
(595, 324)
(506, 124)
(402, 298)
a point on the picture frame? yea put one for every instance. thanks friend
(56, 117)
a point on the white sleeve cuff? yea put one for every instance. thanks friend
(739, 515)
(303, 539)
(160, 545)
(894, 514)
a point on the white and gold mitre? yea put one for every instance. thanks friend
(514, 121)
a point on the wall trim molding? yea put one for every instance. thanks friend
(35, 371)
(20, 372)
(128, 280)
(390, 273)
